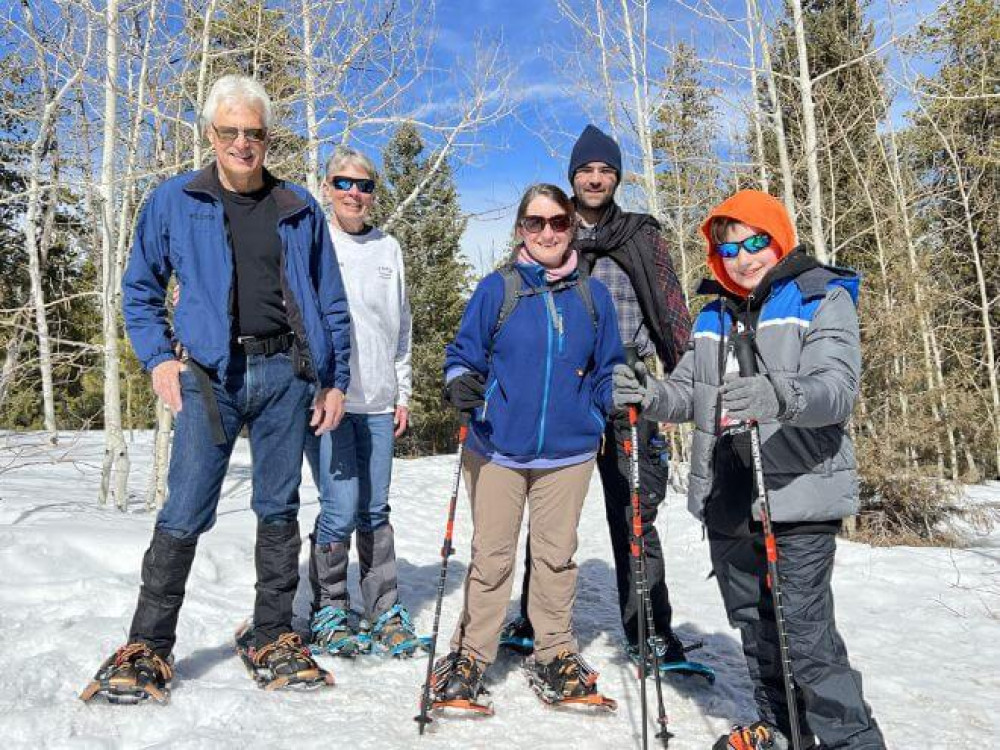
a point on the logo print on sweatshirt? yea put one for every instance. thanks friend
(384, 272)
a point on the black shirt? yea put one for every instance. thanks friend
(252, 219)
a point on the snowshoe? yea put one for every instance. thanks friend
(757, 736)
(393, 634)
(457, 682)
(338, 632)
(283, 663)
(566, 680)
(132, 674)
(518, 635)
(673, 659)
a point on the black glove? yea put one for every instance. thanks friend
(465, 392)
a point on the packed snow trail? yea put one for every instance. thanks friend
(921, 624)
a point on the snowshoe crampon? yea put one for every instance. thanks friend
(567, 681)
(283, 663)
(337, 632)
(132, 674)
(393, 634)
(518, 635)
(457, 683)
(757, 736)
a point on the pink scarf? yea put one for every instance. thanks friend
(552, 275)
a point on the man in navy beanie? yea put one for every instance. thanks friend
(629, 255)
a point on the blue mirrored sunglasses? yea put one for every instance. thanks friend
(340, 182)
(751, 244)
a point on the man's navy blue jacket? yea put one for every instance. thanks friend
(182, 230)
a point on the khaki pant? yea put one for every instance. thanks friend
(555, 500)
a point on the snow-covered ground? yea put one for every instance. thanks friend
(922, 625)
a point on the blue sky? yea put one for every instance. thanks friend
(534, 145)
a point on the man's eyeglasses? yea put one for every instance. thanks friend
(751, 244)
(340, 182)
(536, 224)
(228, 134)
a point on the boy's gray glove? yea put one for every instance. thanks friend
(627, 390)
(749, 398)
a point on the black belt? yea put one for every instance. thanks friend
(266, 345)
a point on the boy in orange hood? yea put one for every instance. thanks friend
(802, 321)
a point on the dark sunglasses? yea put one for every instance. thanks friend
(229, 134)
(751, 244)
(536, 224)
(339, 182)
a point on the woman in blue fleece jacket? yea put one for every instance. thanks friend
(537, 389)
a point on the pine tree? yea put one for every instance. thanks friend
(954, 146)
(687, 171)
(429, 231)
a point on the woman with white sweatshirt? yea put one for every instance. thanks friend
(352, 465)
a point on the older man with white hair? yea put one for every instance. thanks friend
(261, 332)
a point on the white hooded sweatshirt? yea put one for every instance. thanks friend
(371, 265)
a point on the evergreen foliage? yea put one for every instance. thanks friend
(429, 230)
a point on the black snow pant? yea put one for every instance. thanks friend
(831, 704)
(614, 469)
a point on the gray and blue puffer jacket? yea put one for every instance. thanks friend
(805, 323)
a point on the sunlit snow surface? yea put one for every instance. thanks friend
(922, 625)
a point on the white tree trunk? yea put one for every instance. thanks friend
(312, 127)
(116, 461)
(206, 38)
(758, 127)
(640, 94)
(809, 134)
(156, 493)
(778, 118)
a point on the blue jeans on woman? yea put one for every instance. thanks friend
(352, 467)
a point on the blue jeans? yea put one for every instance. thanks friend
(352, 467)
(264, 394)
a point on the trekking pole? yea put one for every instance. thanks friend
(644, 616)
(446, 551)
(748, 367)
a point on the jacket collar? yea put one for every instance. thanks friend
(206, 182)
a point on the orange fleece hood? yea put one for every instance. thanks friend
(756, 209)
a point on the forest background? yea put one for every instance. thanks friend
(875, 122)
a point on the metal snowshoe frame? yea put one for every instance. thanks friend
(129, 692)
(551, 697)
(265, 677)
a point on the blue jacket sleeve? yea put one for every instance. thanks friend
(608, 349)
(333, 305)
(144, 286)
(470, 349)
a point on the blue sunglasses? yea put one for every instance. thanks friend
(752, 245)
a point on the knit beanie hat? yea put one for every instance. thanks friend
(594, 145)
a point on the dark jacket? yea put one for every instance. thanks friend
(182, 230)
(634, 242)
(548, 379)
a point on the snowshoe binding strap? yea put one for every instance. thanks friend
(393, 633)
(132, 674)
(283, 663)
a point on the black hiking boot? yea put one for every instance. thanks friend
(458, 677)
(568, 676)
